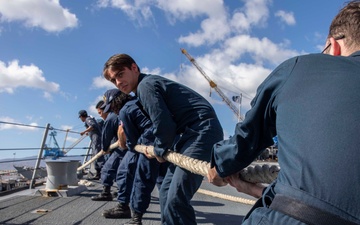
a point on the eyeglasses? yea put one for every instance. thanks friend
(336, 39)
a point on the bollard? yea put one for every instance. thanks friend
(72, 172)
(57, 174)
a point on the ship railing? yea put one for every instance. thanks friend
(44, 147)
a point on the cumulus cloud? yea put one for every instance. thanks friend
(138, 10)
(13, 76)
(238, 61)
(260, 50)
(101, 82)
(286, 17)
(45, 14)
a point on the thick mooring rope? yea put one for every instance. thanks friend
(98, 155)
(253, 174)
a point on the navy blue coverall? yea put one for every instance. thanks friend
(109, 136)
(136, 175)
(95, 136)
(312, 103)
(174, 110)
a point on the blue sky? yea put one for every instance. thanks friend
(52, 53)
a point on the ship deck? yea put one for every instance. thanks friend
(213, 205)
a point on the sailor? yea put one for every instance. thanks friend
(103, 116)
(312, 104)
(100, 121)
(173, 109)
(109, 136)
(137, 175)
(93, 130)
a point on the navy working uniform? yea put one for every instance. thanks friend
(137, 175)
(312, 104)
(109, 136)
(175, 109)
(95, 136)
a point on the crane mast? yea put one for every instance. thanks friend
(214, 85)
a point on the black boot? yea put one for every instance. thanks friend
(135, 219)
(105, 195)
(97, 176)
(120, 211)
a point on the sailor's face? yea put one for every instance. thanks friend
(125, 80)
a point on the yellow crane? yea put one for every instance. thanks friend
(214, 85)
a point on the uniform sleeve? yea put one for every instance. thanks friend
(255, 133)
(137, 127)
(151, 95)
(130, 128)
(109, 133)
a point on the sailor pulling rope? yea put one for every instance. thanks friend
(253, 174)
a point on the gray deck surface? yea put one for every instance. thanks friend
(22, 208)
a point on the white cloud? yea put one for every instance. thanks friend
(254, 13)
(260, 50)
(13, 76)
(212, 31)
(48, 96)
(46, 14)
(241, 61)
(66, 127)
(101, 82)
(70, 139)
(151, 71)
(216, 26)
(286, 17)
(10, 123)
(138, 10)
(238, 66)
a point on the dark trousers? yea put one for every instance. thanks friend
(180, 185)
(96, 148)
(108, 171)
(136, 178)
(146, 177)
(125, 176)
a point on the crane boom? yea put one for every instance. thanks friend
(214, 85)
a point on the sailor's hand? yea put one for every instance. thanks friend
(215, 179)
(160, 159)
(150, 156)
(252, 189)
(147, 154)
(105, 152)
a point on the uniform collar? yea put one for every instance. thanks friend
(141, 76)
(355, 54)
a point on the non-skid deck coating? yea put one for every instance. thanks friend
(29, 208)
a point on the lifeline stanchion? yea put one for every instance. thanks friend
(32, 182)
